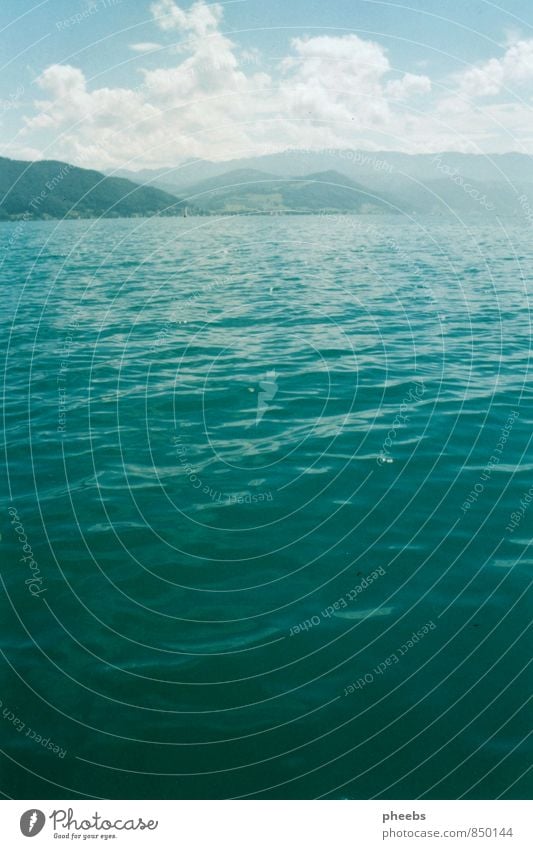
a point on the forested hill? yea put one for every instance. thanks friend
(50, 189)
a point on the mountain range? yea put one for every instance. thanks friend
(292, 182)
(253, 191)
(442, 184)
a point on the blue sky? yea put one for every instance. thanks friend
(152, 82)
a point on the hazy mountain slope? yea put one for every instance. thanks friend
(255, 191)
(380, 166)
(58, 190)
(447, 183)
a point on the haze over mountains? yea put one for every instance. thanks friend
(248, 191)
(292, 182)
(355, 164)
(445, 183)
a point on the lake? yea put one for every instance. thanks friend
(267, 508)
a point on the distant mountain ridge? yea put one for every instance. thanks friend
(252, 191)
(382, 165)
(444, 183)
(441, 184)
(51, 189)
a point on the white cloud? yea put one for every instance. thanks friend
(199, 107)
(408, 86)
(214, 102)
(201, 19)
(145, 46)
(14, 150)
(66, 85)
(488, 79)
(332, 78)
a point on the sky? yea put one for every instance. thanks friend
(150, 83)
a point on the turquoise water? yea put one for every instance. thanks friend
(249, 459)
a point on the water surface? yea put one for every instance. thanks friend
(251, 458)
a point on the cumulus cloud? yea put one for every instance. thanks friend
(200, 20)
(332, 78)
(66, 86)
(216, 102)
(200, 106)
(408, 86)
(488, 79)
